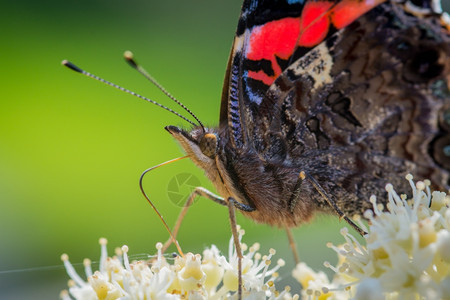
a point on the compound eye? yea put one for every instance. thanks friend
(208, 145)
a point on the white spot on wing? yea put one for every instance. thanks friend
(317, 64)
(240, 42)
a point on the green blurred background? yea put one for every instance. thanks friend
(72, 149)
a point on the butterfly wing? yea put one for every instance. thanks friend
(271, 35)
(368, 105)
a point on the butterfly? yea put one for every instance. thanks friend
(324, 103)
(327, 99)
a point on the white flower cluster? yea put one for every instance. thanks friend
(406, 253)
(190, 277)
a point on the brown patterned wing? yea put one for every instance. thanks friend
(367, 106)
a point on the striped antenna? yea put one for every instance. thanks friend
(129, 57)
(79, 70)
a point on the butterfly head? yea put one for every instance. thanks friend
(201, 146)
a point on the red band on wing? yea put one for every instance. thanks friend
(280, 38)
(348, 11)
(314, 23)
(276, 38)
(261, 76)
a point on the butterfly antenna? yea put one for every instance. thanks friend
(129, 57)
(79, 70)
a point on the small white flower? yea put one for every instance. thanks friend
(258, 279)
(213, 271)
(191, 276)
(312, 282)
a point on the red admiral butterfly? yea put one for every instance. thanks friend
(367, 105)
(324, 103)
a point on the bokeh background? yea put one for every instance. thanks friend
(72, 149)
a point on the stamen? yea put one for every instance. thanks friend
(71, 271)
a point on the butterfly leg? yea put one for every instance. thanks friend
(199, 191)
(292, 203)
(232, 204)
(331, 202)
(293, 245)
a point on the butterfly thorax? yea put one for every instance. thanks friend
(244, 175)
